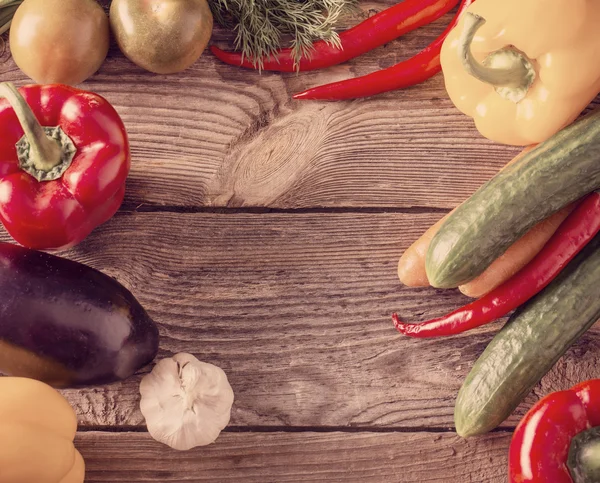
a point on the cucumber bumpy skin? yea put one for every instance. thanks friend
(555, 173)
(530, 343)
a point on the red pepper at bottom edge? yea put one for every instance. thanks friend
(540, 444)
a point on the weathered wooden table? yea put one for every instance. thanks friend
(262, 235)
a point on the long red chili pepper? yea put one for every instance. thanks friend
(374, 32)
(582, 224)
(407, 73)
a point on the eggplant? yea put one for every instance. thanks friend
(67, 324)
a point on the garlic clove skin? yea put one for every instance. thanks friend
(186, 402)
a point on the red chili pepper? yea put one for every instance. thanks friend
(374, 32)
(57, 183)
(541, 443)
(407, 73)
(582, 224)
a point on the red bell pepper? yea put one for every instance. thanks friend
(558, 440)
(60, 181)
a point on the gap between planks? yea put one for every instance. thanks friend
(260, 210)
(299, 429)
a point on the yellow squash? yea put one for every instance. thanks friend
(523, 69)
(37, 427)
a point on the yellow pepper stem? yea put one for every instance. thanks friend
(508, 70)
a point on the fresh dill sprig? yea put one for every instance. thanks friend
(262, 25)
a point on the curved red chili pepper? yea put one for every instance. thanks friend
(573, 234)
(540, 444)
(59, 213)
(371, 33)
(408, 73)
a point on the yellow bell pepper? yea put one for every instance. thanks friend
(523, 69)
(37, 427)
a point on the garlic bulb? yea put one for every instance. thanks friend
(185, 402)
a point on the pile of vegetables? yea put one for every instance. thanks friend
(64, 161)
(528, 240)
(555, 293)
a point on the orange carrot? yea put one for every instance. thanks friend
(517, 256)
(411, 267)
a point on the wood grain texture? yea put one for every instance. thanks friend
(298, 457)
(295, 306)
(217, 135)
(296, 309)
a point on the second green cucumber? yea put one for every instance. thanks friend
(530, 343)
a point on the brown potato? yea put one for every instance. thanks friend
(162, 36)
(59, 41)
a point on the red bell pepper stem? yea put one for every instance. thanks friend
(371, 33)
(573, 234)
(410, 72)
(540, 445)
(583, 460)
(45, 153)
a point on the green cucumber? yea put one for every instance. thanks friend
(555, 173)
(530, 343)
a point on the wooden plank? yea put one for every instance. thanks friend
(296, 309)
(298, 457)
(218, 135)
